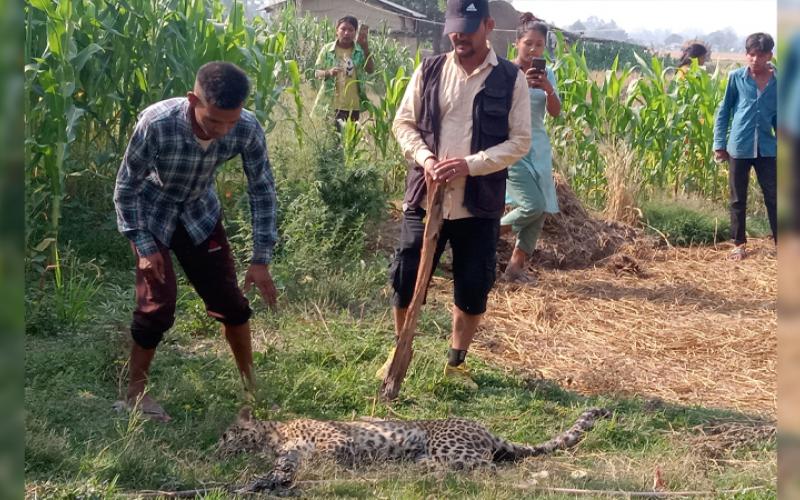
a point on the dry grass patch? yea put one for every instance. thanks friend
(614, 312)
(700, 330)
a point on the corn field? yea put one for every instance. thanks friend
(667, 122)
(92, 65)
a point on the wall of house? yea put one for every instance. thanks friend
(374, 17)
(506, 20)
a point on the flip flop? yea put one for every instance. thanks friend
(146, 406)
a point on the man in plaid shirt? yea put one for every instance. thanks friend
(165, 201)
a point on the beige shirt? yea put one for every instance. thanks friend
(457, 91)
(346, 95)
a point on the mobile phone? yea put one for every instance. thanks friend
(538, 64)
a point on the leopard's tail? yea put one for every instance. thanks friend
(504, 450)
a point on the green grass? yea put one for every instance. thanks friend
(316, 358)
(687, 222)
(318, 361)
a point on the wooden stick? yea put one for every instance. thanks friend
(390, 386)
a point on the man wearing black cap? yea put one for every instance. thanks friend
(464, 119)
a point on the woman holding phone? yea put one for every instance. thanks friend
(530, 186)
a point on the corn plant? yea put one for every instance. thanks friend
(353, 144)
(668, 123)
(382, 114)
(51, 121)
(91, 66)
(305, 37)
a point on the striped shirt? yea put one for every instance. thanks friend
(166, 177)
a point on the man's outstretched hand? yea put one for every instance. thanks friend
(258, 275)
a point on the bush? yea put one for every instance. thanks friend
(324, 226)
(687, 222)
(351, 188)
(322, 217)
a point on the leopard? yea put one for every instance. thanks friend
(451, 443)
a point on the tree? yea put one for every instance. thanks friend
(673, 39)
(723, 40)
(577, 26)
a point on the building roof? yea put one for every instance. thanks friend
(394, 6)
(381, 4)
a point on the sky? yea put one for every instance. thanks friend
(702, 16)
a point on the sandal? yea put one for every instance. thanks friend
(738, 253)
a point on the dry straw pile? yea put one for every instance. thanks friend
(614, 313)
(572, 238)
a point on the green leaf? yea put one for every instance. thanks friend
(74, 114)
(79, 61)
(140, 79)
(42, 246)
(43, 5)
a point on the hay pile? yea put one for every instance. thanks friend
(615, 313)
(572, 238)
(700, 330)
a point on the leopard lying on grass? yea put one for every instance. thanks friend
(452, 442)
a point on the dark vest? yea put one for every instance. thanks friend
(484, 195)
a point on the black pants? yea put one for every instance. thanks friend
(474, 244)
(738, 179)
(343, 115)
(210, 269)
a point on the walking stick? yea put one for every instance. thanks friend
(390, 386)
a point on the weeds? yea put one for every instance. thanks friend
(67, 304)
(687, 222)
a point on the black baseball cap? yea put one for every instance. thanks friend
(465, 16)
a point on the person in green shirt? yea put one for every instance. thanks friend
(340, 64)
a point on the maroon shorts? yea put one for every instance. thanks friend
(209, 268)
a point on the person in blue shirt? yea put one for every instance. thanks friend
(745, 135)
(166, 205)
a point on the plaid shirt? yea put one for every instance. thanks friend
(166, 176)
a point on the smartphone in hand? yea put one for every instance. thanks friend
(538, 64)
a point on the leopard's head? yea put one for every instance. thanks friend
(248, 434)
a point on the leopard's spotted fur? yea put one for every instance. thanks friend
(452, 442)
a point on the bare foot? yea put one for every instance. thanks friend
(147, 406)
(738, 253)
(519, 277)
